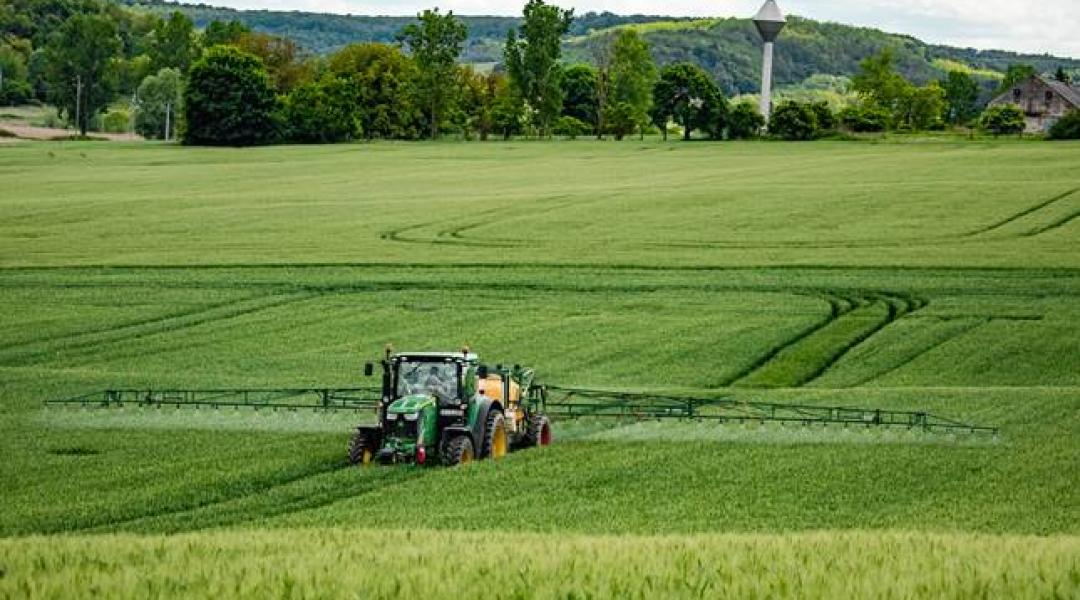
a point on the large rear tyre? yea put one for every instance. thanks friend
(538, 432)
(458, 451)
(496, 440)
(362, 448)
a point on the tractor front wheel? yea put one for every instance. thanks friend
(496, 441)
(362, 448)
(458, 451)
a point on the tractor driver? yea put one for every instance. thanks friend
(437, 384)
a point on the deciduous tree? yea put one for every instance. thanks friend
(322, 111)
(228, 100)
(158, 96)
(686, 94)
(961, 97)
(384, 78)
(633, 75)
(80, 63)
(173, 43)
(532, 59)
(435, 44)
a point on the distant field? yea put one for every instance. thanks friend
(935, 275)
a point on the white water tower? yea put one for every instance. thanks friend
(769, 21)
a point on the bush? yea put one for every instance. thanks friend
(744, 121)
(228, 101)
(570, 127)
(14, 93)
(116, 121)
(1067, 127)
(619, 118)
(864, 119)
(794, 121)
(826, 120)
(323, 112)
(1003, 120)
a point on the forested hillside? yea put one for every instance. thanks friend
(727, 48)
(323, 33)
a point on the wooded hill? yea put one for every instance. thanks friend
(727, 48)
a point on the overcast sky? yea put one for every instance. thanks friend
(1051, 26)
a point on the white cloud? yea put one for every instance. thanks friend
(1050, 26)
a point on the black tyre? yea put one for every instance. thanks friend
(362, 448)
(496, 441)
(458, 451)
(538, 431)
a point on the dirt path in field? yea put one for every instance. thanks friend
(29, 132)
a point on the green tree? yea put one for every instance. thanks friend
(435, 43)
(384, 78)
(744, 121)
(228, 100)
(508, 116)
(481, 96)
(579, 93)
(222, 32)
(922, 107)
(1067, 127)
(1003, 119)
(878, 84)
(685, 93)
(80, 63)
(14, 85)
(279, 56)
(533, 60)
(633, 75)
(322, 111)
(1061, 75)
(158, 104)
(794, 121)
(961, 97)
(173, 44)
(1015, 74)
(620, 118)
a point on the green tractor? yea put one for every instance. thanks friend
(447, 408)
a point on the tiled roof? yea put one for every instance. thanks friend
(1071, 94)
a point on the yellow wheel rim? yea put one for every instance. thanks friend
(498, 442)
(466, 455)
(366, 458)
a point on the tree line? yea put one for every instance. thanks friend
(228, 85)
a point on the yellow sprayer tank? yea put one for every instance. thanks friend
(492, 387)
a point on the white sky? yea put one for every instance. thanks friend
(1048, 26)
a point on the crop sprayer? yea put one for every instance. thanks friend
(449, 408)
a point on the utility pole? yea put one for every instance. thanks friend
(168, 111)
(769, 21)
(78, 100)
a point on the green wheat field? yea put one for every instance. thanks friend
(932, 275)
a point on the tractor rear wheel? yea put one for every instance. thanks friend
(362, 448)
(458, 451)
(538, 432)
(496, 441)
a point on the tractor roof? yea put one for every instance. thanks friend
(434, 356)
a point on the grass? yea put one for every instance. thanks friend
(937, 275)
(344, 563)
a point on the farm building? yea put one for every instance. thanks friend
(1043, 101)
